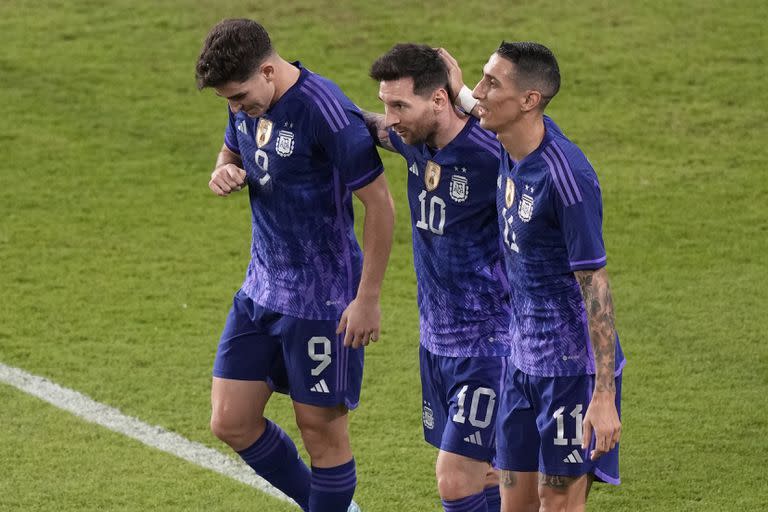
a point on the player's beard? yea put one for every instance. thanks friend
(424, 133)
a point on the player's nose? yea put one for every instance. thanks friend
(234, 106)
(478, 92)
(390, 120)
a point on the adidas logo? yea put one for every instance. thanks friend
(320, 387)
(574, 458)
(474, 439)
(414, 169)
(241, 127)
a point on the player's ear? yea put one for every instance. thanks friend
(440, 99)
(268, 70)
(531, 100)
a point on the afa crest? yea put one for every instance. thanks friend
(431, 176)
(285, 143)
(263, 132)
(509, 195)
(459, 189)
(427, 417)
(525, 211)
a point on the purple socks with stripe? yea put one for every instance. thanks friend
(332, 488)
(274, 458)
(473, 503)
(493, 498)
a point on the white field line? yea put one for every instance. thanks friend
(154, 436)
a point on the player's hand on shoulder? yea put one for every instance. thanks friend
(602, 419)
(360, 322)
(226, 179)
(455, 79)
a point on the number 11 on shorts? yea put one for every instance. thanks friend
(561, 440)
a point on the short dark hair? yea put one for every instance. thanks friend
(420, 62)
(232, 51)
(535, 67)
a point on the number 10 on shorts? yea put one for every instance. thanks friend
(459, 417)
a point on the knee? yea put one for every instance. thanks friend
(454, 485)
(563, 493)
(320, 438)
(553, 498)
(237, 431)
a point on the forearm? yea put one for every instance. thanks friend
(596, 291)
(377, 243)
(378, 129)
(227, 156)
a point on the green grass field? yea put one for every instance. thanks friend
(118, 265)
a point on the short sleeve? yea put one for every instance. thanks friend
(230, 134)
(347, 142)
(579, 208)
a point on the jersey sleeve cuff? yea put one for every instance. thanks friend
(230, 147)
(588, 264)
(366, 179)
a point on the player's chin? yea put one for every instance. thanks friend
(405, 136)
(486, 121)
(254, 112)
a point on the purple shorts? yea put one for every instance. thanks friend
(540, 428)
(304, 358)
(460, 396)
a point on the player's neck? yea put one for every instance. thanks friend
(522, 137)
(286, 75)
(448, 129)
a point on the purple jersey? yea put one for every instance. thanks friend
(462, 290)
(551, 213)
(304, 157)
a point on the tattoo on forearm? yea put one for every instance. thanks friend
(596, 292)
(508, 479)
(557, 482)
(378, 129)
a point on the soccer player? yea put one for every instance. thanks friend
(559, 425)
(462, 292)
(310, 300)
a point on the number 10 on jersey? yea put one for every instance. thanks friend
(436, 209)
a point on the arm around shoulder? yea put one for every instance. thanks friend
(378, 129)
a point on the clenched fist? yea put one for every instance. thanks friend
(226, 179)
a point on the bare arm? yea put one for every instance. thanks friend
(601, 413)
(228, 174)
(378, 129)
(362, 318)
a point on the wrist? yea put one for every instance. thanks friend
(367, 296)
(465, 100)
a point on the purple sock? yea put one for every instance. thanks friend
(333, 488)
(473, 503)
(493, 498)
(274, 458)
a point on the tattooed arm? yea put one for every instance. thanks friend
(601, 415)
(378, 129)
